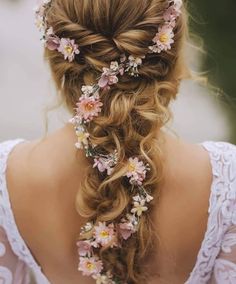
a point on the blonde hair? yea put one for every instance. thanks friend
(134, 110)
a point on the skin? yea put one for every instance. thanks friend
(43, 177)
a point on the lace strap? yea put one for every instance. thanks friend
(7, 220)
(221, 208)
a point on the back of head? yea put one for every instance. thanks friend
(126, 164)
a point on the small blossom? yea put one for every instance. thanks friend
(149, 198)
(163, 39)
(178, 4)
(103, 164)
(39, 11)
(137, 198)
(104, 234)
(39, 22)
(68, 48)
(132, 218)
(126, 229)
(139, 207)
(82, 138)
(123, 58)
(133, 64)
(90, 266)
(84, 248)
(136, 171)
(88, 107)
(52, 42)
(114, 66)
(171, 14)
(106, 163)
(87, 90)
(104, 279)
(108, 78)
(87, 227)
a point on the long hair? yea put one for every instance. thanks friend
(134, 110)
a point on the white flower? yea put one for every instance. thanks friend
(114, 66)
(88, 227)
(133, 64)
(149, 198)
(104, 278)
(163, 39)
(139, 207)
(137, 198)
(87, 90)
(39, 22)
(178, 4)
(132, 218)
(135, 61)
(82, 138)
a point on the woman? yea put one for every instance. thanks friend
(130, 203)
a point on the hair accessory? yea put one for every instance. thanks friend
(164, 38)
(108, 234)
(65, 46)
(162, 41)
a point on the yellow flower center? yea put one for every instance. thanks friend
(89, 106)
(131, 167)
(90, 266)
(104, 234)
(81, 135)
(68, 49)
(164, 38)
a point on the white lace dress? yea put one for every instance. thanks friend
(216, 260)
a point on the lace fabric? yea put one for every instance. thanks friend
(216, 260)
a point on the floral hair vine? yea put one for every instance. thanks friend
(103, 234)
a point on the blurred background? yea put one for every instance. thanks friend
(200, 114)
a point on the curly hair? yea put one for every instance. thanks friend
(134, 110)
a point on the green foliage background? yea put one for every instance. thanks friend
(214, 21)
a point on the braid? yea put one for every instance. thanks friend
(120, 136)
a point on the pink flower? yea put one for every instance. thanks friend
(106, 163)
(88, 107)
(163, 39)
(68, 48)
(171, 14)
(108, 78)
(90, 266)
(84, 248)
(126, 229)
(104, 234)
(136, 171)
(52, 42)
(101, 164)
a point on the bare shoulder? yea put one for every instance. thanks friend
(183, 206)
(42, 185)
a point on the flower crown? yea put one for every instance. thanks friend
(88, 107)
